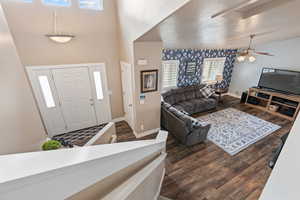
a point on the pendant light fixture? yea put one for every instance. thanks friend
(58, 37)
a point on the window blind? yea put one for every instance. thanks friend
(211, 68)
(170, 74)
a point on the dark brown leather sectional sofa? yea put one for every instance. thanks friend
(177, 106)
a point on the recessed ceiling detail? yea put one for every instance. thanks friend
(192, 26)
(250, 8)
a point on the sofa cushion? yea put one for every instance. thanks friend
(181, 115)
(190, 93)
(187, 106)
(169, 97)
(178, 95)
(204, 104)
(180, 108)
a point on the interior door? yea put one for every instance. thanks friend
(74, 90)
(127, 92)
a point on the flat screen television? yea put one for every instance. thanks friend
(280, 80)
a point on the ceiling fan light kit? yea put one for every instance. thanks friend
(58, 37)
(251, 58)
(249, 53)
(241, 58)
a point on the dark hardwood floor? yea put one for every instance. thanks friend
(206, 172)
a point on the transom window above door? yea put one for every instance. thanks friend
(211, 68)
(91, 4)
(57, 2)
(83, 4)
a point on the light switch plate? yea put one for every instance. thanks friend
(142, 62)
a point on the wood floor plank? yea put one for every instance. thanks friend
(206, 172)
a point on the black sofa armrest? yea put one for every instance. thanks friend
(182, 127)
(176, 126)
(197, 135)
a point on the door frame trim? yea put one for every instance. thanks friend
(30, 69)
(132, 93)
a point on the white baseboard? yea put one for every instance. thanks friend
(233, 95)
(118, 119)
(145, 133)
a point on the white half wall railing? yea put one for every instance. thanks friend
(59, 174)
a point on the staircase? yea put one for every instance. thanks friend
(120, 171)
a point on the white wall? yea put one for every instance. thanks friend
(286, 53)
(20, 125)
(283, 183)
(96, 38)
(149, 112)
(136, 17)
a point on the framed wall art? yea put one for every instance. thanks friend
(149, 81)
(191, 68)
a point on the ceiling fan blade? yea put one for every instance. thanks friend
(263, 53)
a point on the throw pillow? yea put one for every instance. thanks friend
(207, 91)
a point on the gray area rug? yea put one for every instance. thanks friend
(234, 130)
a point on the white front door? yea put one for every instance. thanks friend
(74, 90)
(127, 92)
(71, 97)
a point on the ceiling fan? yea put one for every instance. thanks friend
(250, 52)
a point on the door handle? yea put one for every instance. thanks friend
(130, 105)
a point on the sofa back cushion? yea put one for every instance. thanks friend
(174, 96)
(190, 93)
(169, 97)
(178, 95)
(182, 116)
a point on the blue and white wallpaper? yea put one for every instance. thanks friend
(197, 55)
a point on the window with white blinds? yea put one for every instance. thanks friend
(211, 68)
(169, 74)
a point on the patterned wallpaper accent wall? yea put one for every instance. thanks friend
(197, 55)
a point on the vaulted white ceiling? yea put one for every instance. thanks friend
(192, 26)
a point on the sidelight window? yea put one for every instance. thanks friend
(98, 85)
(46, 90)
